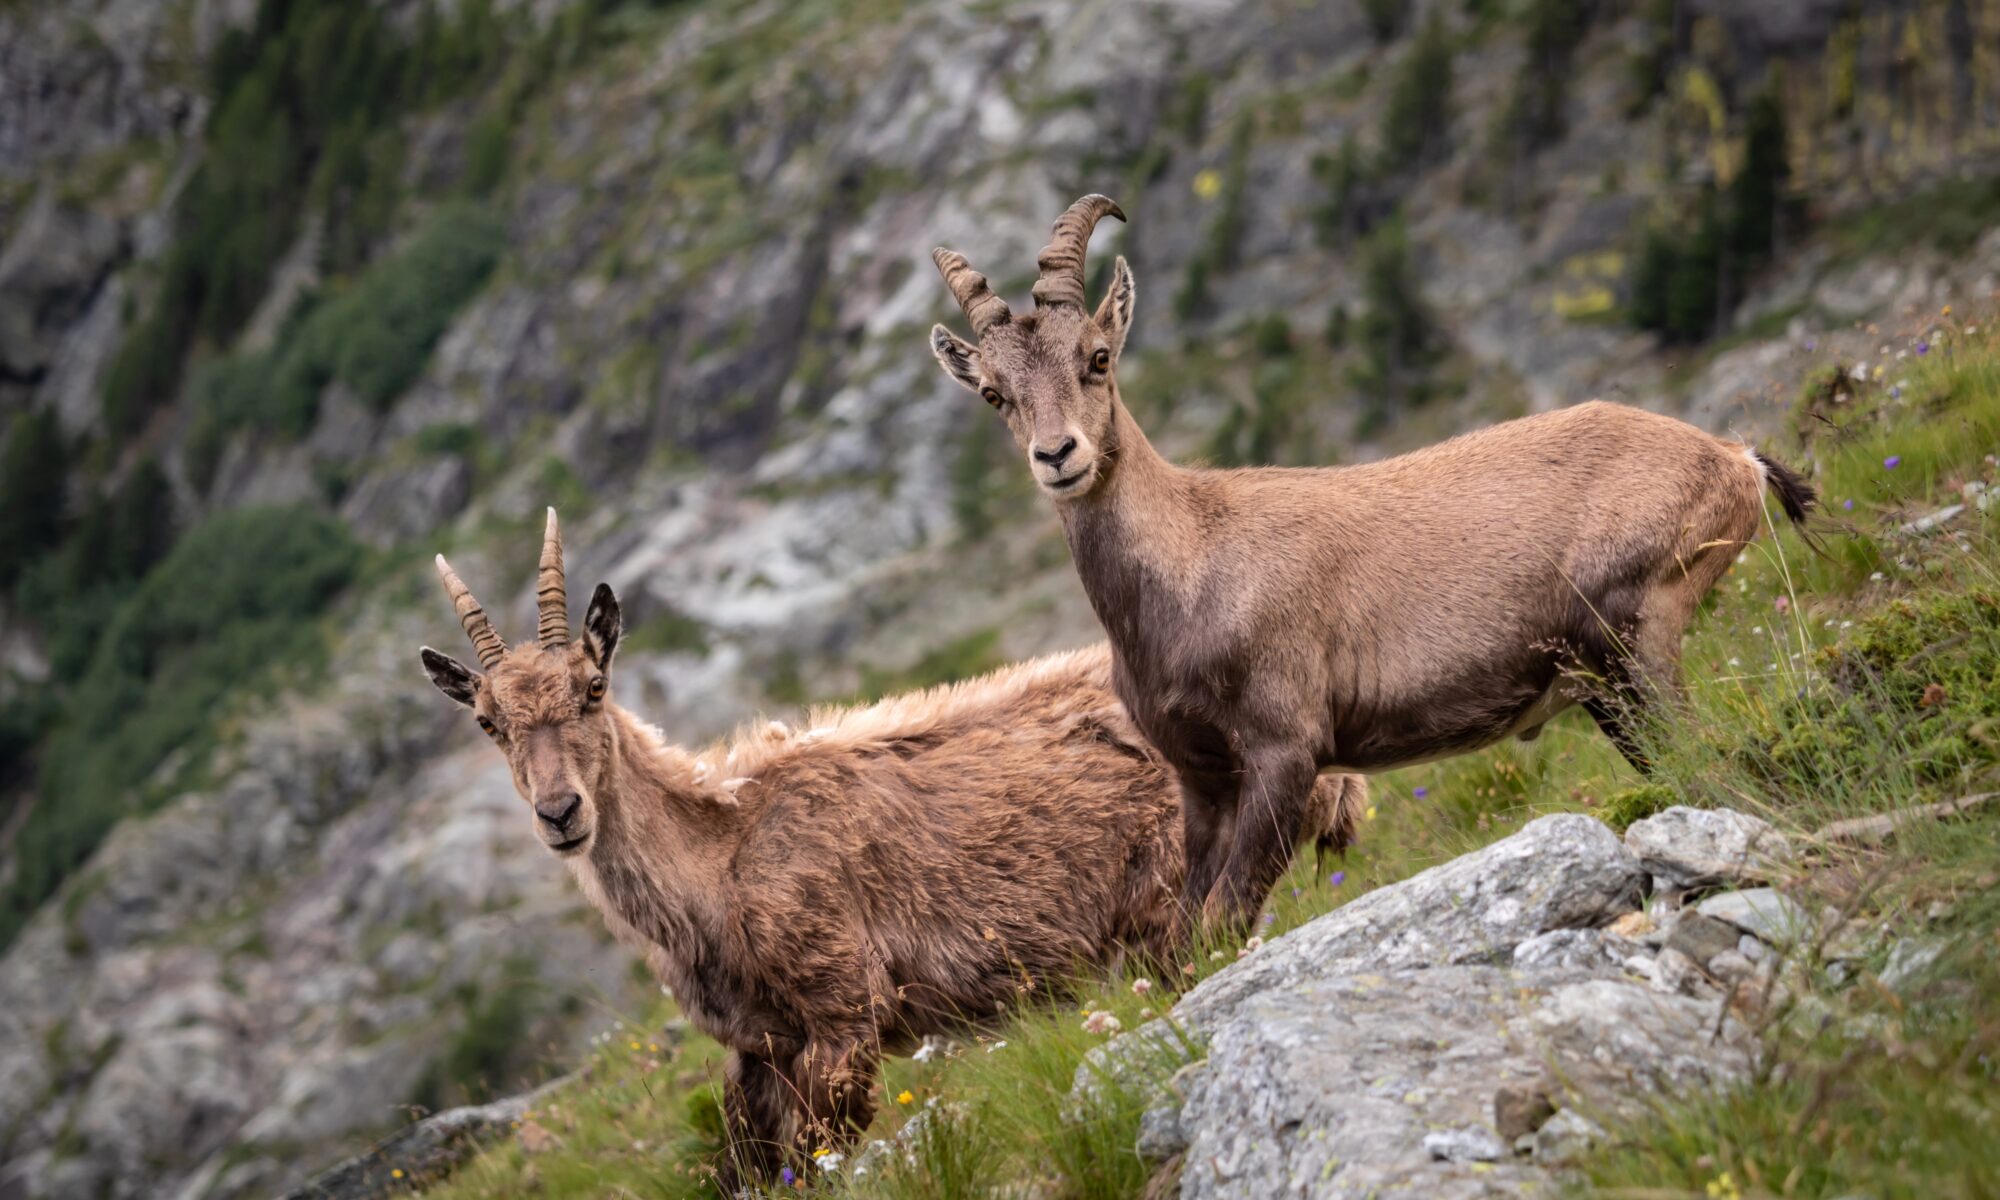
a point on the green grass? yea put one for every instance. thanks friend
(1810, 699)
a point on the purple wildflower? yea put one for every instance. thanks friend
(1896, 393)
(788, 1176)
(1420, 791)
(1893, 461)
(1269, 918)
(1812, 344)
(1297, 892)
(1923, 348)
(1848, 505)
(1337, 878)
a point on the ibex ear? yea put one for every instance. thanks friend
(1114, 312)
(958, 357)
(452, 677)
(602, 624)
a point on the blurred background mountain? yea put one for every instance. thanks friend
(293, 295)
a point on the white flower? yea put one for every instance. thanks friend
(1145, 1014)
(995, 1046)
(1859, 373)
(1877, 577)
(926, 1052)
(1756, 629)
(1101, 1022)
(1215, 956)
(830, 1163)
(1141, 986)
(1735, 662)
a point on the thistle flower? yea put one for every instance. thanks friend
(1141, 986)
(1101, 1022)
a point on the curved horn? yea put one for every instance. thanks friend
(982, 307)
(551, 602)
(1061, 261)
(478, 626)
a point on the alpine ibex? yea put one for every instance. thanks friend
(1270, 623)
(817, 898)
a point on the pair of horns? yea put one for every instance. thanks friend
(1060, 264)
(551, 602)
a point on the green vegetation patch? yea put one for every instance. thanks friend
(227, 614)
(374, 337)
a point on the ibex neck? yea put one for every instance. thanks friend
(663, 843)
(1136, 531)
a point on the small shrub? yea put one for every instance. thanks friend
(31, 492)
(1622, 808)
(1417, 121)
(1385, 18)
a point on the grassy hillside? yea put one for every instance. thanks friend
(1860, 682)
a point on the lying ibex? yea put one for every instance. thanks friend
(816, 898)
(1267, 623)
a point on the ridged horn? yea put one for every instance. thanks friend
(982, 307)
(478, 626)
(551, 601)
(1061, 261)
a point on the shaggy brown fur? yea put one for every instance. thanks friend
(817, 897)
(1271, 623)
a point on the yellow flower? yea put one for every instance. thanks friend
(653, 1046)
(822, 1152)
(1722, 1187)
(1208, 184)
(396, 1174)
(906, 1096)
(1371, 812)
(635, 1045)
(1947, 310)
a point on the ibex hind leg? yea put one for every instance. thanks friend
(1610, 646)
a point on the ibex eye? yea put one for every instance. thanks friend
(992, 397)
(488, 727)
(597, 688)
(1101, 361)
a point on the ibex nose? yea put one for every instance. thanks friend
(558, 809)
(1055, 457)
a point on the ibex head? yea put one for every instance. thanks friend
(541, 703)
(1048, 373)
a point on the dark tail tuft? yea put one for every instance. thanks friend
(1795, 495)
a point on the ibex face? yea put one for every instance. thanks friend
(543, 703)
(1049, 373)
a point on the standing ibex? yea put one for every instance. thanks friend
(1267, 623)
(814, 898)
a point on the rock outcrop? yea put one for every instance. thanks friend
(1462, 1033)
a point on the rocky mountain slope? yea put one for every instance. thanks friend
(666, 266)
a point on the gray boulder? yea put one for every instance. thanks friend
(1385, 1084)
(1564, 871)
(1689, 848)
